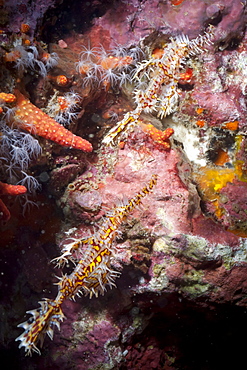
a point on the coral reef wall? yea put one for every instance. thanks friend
(123, 179)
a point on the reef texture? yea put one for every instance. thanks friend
(157, 88)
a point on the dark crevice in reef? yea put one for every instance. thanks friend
(187, 336)
(180, 334)
(71, 16)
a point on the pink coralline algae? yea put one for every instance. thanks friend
(134, 22)
(127, 178)
(14, 15)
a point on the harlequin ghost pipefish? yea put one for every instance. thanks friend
(90, 276)
(156, 82)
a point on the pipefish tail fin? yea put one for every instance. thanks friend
(42, 321)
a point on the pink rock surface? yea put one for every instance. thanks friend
(134, 20)
(133, 170)
(25, 12)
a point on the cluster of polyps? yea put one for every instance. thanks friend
(107, 69)
(28, 57)
(63, 107)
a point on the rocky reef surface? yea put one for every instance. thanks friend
(180, 298)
